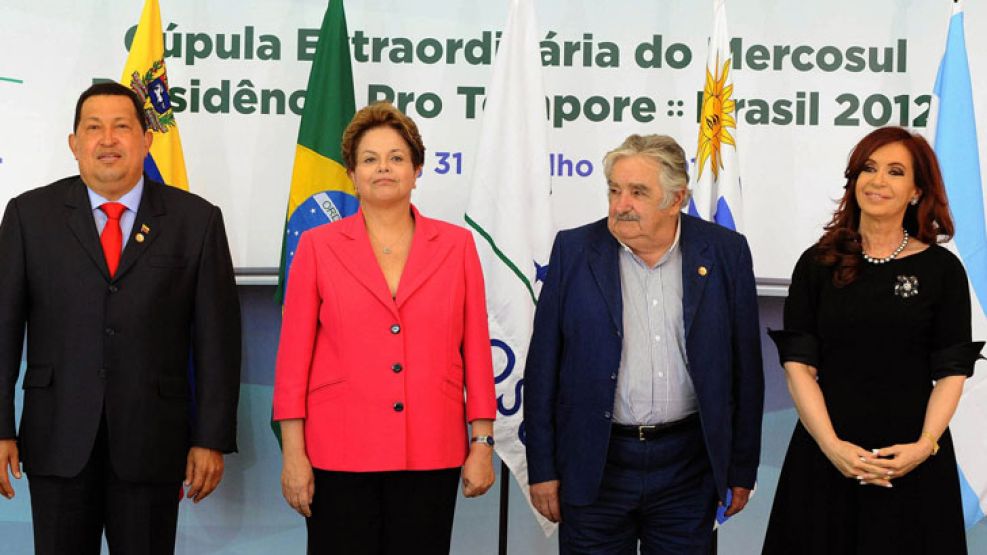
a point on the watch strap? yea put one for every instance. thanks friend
(486, 440)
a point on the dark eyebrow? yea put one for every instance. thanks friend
(893, 163)
(369, 151)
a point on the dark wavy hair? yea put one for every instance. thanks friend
(929, 221)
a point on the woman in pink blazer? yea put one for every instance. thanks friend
(385, 327)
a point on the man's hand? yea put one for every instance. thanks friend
(203, 471)
(545, 498)
(738, 500)
(8, 457)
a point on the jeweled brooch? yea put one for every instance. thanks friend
(906, 286)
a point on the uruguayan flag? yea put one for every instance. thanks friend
(959, 157)
(716, 175)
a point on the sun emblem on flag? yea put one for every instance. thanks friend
(716, 118)
(152, 88)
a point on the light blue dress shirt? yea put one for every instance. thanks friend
(653, 382)
(132, 200)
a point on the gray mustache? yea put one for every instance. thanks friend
(629, 217)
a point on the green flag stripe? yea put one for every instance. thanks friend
(329, 99)
(282, 268)
(503, 257)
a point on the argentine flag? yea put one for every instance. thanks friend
(959, 157)
(716, 174)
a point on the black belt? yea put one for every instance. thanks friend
(645, 433)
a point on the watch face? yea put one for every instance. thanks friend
(490, 441)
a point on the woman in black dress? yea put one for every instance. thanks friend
(876, 348)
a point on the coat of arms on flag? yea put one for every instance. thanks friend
(146, 74)
(152, 88)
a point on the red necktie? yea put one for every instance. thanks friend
(112, 237)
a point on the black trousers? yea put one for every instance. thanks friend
(382, 513)
(70, 514)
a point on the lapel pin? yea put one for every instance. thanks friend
(139, 237)
(145, 229)
(703, 271)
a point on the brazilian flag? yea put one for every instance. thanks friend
(321, 192)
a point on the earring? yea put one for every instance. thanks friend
(914, 201)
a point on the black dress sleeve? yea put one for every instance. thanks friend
(799, 342)
(953, 352)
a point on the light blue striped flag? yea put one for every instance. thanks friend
(956, 147)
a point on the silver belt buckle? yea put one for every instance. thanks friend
(642, 429)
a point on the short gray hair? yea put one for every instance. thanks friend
(663, 150)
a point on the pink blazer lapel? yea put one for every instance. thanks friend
(355, 255)
(429, 250)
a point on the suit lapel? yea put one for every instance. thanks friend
(428, 252)
(80, 220)
(355, 255)
(605, 267)
(148, 224)
(697, 267)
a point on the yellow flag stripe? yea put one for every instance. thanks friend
(314, 173)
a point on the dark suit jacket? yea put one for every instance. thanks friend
(121, 345)
(570, 376)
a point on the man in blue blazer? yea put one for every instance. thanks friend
(643, 386)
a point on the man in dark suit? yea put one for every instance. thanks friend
(118, 279)
(643, 385)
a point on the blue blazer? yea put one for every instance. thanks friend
(571, 370)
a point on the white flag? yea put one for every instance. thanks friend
(510, 215)
(716, 174)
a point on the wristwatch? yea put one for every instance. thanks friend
(486, 440)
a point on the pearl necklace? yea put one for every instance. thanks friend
(890, 257)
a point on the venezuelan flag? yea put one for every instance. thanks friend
(321, 191)
(145, 73)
